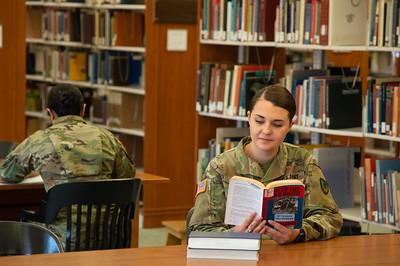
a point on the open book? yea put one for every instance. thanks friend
(281, 201)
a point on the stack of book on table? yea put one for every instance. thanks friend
(224, 245)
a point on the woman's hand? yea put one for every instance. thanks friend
(280, 233)
(252, 223)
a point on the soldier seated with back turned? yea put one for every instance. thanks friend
(69, 150)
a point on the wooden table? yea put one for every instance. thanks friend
(15, 197)
(351, 250)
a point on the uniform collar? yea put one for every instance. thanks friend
(68, 118)
(251, 168)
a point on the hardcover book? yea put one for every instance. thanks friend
(224, 245)
(224, 240)
(227, 254)
(281, 201)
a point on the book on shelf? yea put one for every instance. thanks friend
(202, 163)
(228, 137)
(224, 245)
(253, 81)
(128, 34)
(370, 189)
(382, 106)
(34, 23)
(77, 66)
(337, 165)
(384, 22)
(347, 22)
(331, 102)
(125, 110)
(281, 201)
(384, 189)
(98, 110)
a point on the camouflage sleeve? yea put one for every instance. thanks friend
(17, 164)
(322, 219)
(123, 165)
(209, 208)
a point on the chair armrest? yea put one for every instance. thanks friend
(27, 215)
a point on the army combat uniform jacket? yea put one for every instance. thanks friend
(322, 219)
(68, 151)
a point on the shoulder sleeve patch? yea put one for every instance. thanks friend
(201, 187)
(324, 186)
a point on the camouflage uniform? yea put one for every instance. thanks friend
(322, 219)
(70, 150)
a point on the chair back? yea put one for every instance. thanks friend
(19, 238)
(5, 148)
(98, 212)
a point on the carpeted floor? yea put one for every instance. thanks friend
(151, 237)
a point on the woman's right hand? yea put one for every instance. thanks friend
(252, 223)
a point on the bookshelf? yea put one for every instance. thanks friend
(234, 48)
(98, 32)
(12, 56)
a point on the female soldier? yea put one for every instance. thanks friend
(265, 157)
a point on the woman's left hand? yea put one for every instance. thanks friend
(280, 233)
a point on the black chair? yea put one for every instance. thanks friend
(19, 238)
(101, 208)
(5, 148)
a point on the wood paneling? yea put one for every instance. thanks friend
(169, 121)
(12, 71)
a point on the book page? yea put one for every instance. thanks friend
(244, 196)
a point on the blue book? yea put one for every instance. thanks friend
(382, 169)
(307, 17)
(372, 23)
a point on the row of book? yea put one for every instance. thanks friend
(227, 89)
(97, 67)
(225, 138)
(384, 23)
(380, 201)
(382, 106)
(97, 27)
(324, 22)
(114, 109)
(331, 102)
(337, 163)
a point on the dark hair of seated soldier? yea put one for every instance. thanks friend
(65, 99)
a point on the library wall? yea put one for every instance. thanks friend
(170, 101)
(12, 70)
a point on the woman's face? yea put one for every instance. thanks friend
(269, 125)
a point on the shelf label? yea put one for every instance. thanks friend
(1, 36)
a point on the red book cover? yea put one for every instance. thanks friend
(324, 22)
(370, 168)
(284, 204)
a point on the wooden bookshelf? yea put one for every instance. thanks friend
(170, 121)
(56, 40)
(213, 49)
(12, 70)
